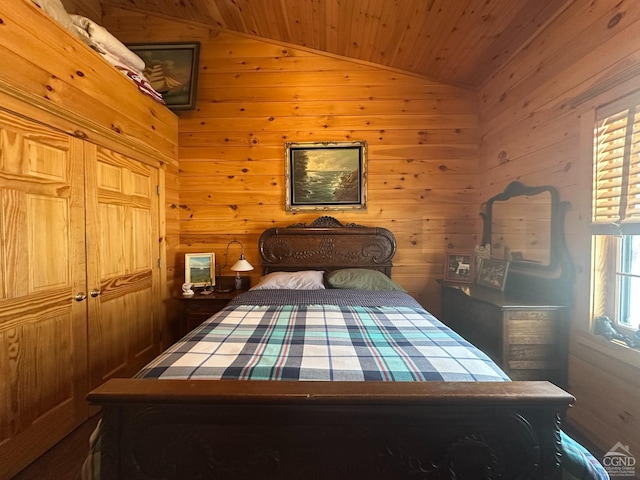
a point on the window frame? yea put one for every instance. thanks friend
(625, 276)
(610, 236)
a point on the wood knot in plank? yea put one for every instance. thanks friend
(615, 20)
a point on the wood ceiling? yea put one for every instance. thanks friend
(455, 41)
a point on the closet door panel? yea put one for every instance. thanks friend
(123, 251)
(43, 348)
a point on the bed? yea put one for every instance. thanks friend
(293, 380)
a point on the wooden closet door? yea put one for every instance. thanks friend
(123, 273)
(43, 347)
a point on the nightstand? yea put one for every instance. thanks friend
(197, 308)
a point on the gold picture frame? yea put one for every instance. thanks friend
(326, 176)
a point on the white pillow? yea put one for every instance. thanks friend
(55, 10)
(303, 280)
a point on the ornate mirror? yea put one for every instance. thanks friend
(525, 226)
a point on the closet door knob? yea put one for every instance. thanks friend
(94, 293)
(80, 296)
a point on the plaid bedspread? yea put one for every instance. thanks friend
(337, 335)
(324, 342)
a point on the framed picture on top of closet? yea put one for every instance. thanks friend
(172, 71)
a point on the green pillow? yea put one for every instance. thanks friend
(361, 279)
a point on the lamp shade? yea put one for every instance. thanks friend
(242, 265)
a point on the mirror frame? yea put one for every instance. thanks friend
(550, 282)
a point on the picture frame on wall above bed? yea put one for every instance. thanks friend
(326, 176)
(172, 71)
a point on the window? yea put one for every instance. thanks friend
(629, 280)
(616, 213)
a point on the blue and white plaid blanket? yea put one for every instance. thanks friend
(324, 342)
(337, 335)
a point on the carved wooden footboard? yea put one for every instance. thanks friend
(181, 429)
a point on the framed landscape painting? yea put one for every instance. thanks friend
(199, 269)
(326, 176)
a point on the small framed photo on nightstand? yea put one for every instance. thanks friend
(459, 267)
(199, 269)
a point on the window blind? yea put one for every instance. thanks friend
(616, 176)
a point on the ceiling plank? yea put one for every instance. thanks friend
(461, 42)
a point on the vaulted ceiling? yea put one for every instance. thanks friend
(455, 41)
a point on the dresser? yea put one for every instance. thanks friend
(526, 337)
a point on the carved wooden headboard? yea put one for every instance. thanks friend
(326, 244)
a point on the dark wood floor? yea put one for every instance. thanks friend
(63, 461)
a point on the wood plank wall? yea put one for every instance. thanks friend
(88, 8)
(254, 95)
(535, 120)
(71, 80)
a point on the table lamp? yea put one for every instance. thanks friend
(240, 266)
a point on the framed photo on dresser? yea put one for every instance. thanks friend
(493, 273)
(459, 267)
